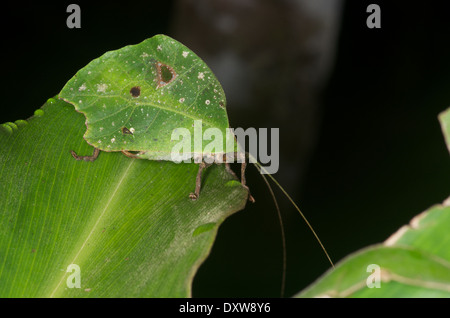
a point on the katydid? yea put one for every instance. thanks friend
(135, 98)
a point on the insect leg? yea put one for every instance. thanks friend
(227, 166)
(243, 167)
(243, 181)
(198, 181)
(86, 158)
(229, 170)
(129, 154)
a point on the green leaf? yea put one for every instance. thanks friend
(444, 118)
(413, 262)
(127, 223)
(150, 90)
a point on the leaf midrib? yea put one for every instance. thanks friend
(105, 209)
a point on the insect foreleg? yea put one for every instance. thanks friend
(129, 154)
(86, 158)
(198, 181)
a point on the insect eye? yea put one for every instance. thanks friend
(135, 91)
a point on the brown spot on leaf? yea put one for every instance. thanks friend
(135, 91)
(126, 131)
(165, 74)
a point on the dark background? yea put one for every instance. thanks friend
(379, 157)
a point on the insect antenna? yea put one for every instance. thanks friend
(261, 169)
(283, 237)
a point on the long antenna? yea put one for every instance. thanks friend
(283, 237)
(261, 168)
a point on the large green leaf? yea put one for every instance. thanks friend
(413, 262)
(127, 223)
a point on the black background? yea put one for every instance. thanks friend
(380, 158)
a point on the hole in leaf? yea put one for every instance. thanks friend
(165, 74)
(126, 131)
(135, 91)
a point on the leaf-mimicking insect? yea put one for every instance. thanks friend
(135, 97)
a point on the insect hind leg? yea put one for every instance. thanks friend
(244, 182)
(243, 179)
